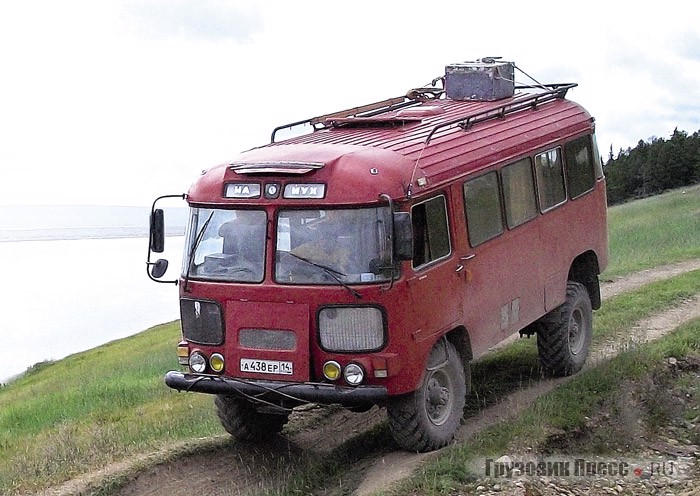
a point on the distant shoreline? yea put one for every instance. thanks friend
(78, 234)
(44, 223)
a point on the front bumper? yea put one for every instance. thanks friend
(304, 392)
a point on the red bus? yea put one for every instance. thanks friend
(369, 260)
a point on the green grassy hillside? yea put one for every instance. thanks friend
(654, 231)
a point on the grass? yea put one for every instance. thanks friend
(654, 231)
(70, 417)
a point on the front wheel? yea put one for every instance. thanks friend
(240, 419)
(428, 418)
(564, 340)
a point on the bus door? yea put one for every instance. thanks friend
(435, 283)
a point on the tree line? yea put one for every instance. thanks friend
(653, 167)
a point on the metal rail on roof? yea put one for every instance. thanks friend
(362, 111)
(552, 92)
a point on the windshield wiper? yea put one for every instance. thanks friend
(331, 272)
(197, 240)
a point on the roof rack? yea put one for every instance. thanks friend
(419, 95)
(552, 92)
(369, 110)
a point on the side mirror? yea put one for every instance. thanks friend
(156, 241)
(159, 268)
(403, 236)
(157, 231)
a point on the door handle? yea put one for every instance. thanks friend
(465, 258)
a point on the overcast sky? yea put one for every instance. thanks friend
(115, 102)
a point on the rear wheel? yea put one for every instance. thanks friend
(240, 419)
(564, 340)
(428, 418)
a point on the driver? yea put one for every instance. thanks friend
(326, 250)
(244, 237)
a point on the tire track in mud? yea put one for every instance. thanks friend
(224, 467)
(639, 279)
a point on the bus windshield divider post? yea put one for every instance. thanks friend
(393, 237)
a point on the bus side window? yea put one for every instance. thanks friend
(519, 193)
(431, 238)
(597, 162)
(483, 207)
(580, 173)
(550, 179)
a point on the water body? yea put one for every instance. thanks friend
(69, 284)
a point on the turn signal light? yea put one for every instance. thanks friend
(183, 354)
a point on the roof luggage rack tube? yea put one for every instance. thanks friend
(369, 110)
(554, 91)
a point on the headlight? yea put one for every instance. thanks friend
(198, 362)
(354, 375)
(201, 322)
(351, 328)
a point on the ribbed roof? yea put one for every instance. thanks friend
(453, 150)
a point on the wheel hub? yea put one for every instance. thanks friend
(575, 335)
(438, 400)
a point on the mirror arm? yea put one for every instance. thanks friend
(151, 268)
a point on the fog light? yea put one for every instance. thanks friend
(198, 362)
(354, 375)
(216, 361)
(331, 370)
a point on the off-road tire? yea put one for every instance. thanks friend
(565, 337)
(240, 419)
(428, 418)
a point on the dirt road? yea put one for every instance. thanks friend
(223, 467)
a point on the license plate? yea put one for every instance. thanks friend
(266, 366)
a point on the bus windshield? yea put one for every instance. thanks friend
(226, 245)
(335, 246)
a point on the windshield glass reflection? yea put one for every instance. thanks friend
(227, 245)
(338, 246)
